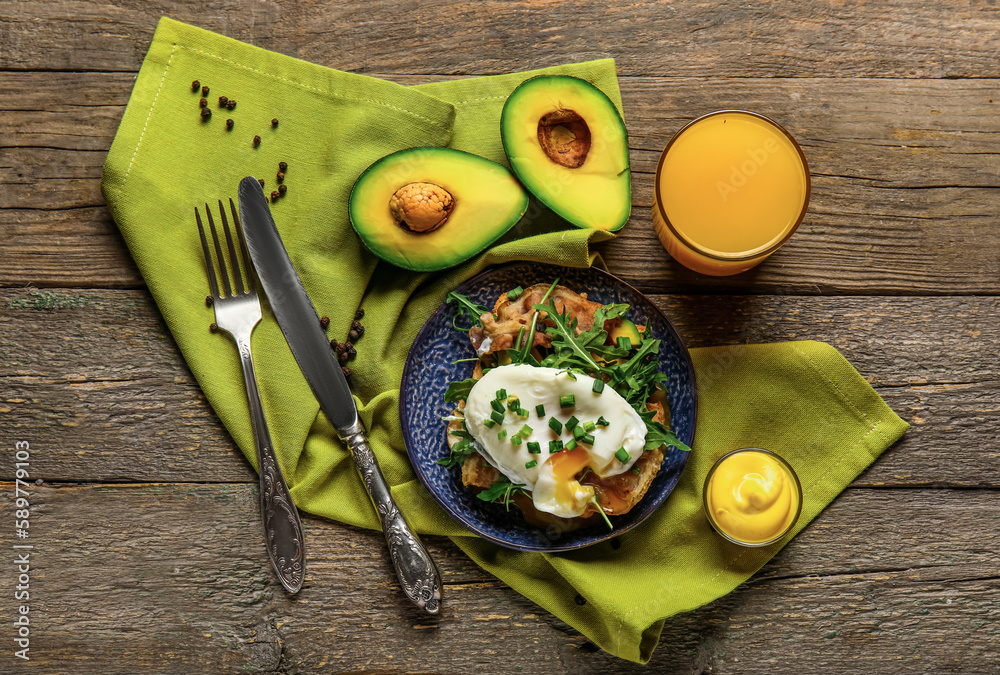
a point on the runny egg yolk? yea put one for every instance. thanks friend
(565, 466)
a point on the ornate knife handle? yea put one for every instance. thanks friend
(282, 527)
(414, 567)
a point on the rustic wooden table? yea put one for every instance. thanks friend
(149, 556)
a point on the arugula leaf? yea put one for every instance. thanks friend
(502, 490)
(467, 307)
(458, 453)
(459, 391)
(658, 435)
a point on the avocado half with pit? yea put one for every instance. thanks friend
(431, 208)
(568, 145)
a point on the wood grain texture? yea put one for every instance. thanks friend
(173, 578)
(915, 39)
(96, 380)
(906, 183)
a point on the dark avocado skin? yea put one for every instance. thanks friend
(488, 201)
(567, 144)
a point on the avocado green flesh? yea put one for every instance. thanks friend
(488, 202)
(597, 194)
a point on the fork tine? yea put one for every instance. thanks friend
(237, 275)
(251, 286)
(209, 268)
(218, 252)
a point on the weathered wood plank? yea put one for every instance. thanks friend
(920, 227)
(99, 384)
(916, 38)
(173, 578)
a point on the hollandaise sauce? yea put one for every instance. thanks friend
(752, 497)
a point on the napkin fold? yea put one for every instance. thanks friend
(802, 400)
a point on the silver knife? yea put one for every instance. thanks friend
(299, 322)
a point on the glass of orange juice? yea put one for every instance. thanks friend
(731, 188)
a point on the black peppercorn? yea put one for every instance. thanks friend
(256, 141)
(360, 314)
(343, 357)
(282, 166)
(346, 371)
(274, 122)
(282, 189)
(348, 346)
(195, 85)
(205, 113)
(229, 123)
(261, 181)
(616, 544)
(213, 327)
(352, 352)
(204, 90)
(341, 349)
(203, 102)
(334, 343)
(209, 301)
(324, 321)
(353, 335)
(230, 104)
(223, 101)
(281, 176)
(580, 600)
(274, 195)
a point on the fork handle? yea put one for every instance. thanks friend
(415, 569)
(282, 527)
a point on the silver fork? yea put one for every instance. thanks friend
(238, 313)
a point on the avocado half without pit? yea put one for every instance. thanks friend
(431, 208)
(568, 145)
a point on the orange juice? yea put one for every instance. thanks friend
(731, 188)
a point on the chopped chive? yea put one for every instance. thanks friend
(525, 431)
(540, 410)
(578, 432)
(534, 447)
(622, 455)
(555, 425)
(572, 422)
(587, 438)
(555, 446)
(624, 343)
(531, 464)
(515, 440)
(514, 293)
(497, 405)
(521, 412)
(589, 426)
(598, 386)
(502, 394)
(635, 470)
(489, 424)
(571, 446)
(513, 403)
(502, 434)
(601, 422)
(497, 417)
(567, 401)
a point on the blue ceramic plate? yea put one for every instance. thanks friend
(429, 369)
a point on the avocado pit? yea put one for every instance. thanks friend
(564, 137)
(421, 207)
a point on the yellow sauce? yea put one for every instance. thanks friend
(752, 497)
(730, 188)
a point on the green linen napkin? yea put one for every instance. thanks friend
(800, 399)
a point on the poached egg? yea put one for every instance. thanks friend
(524, 421)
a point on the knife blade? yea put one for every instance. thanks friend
(300, 325)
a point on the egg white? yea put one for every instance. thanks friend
(536, 385)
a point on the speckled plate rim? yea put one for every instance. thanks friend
(579, 538)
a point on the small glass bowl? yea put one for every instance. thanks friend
(796, 485)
